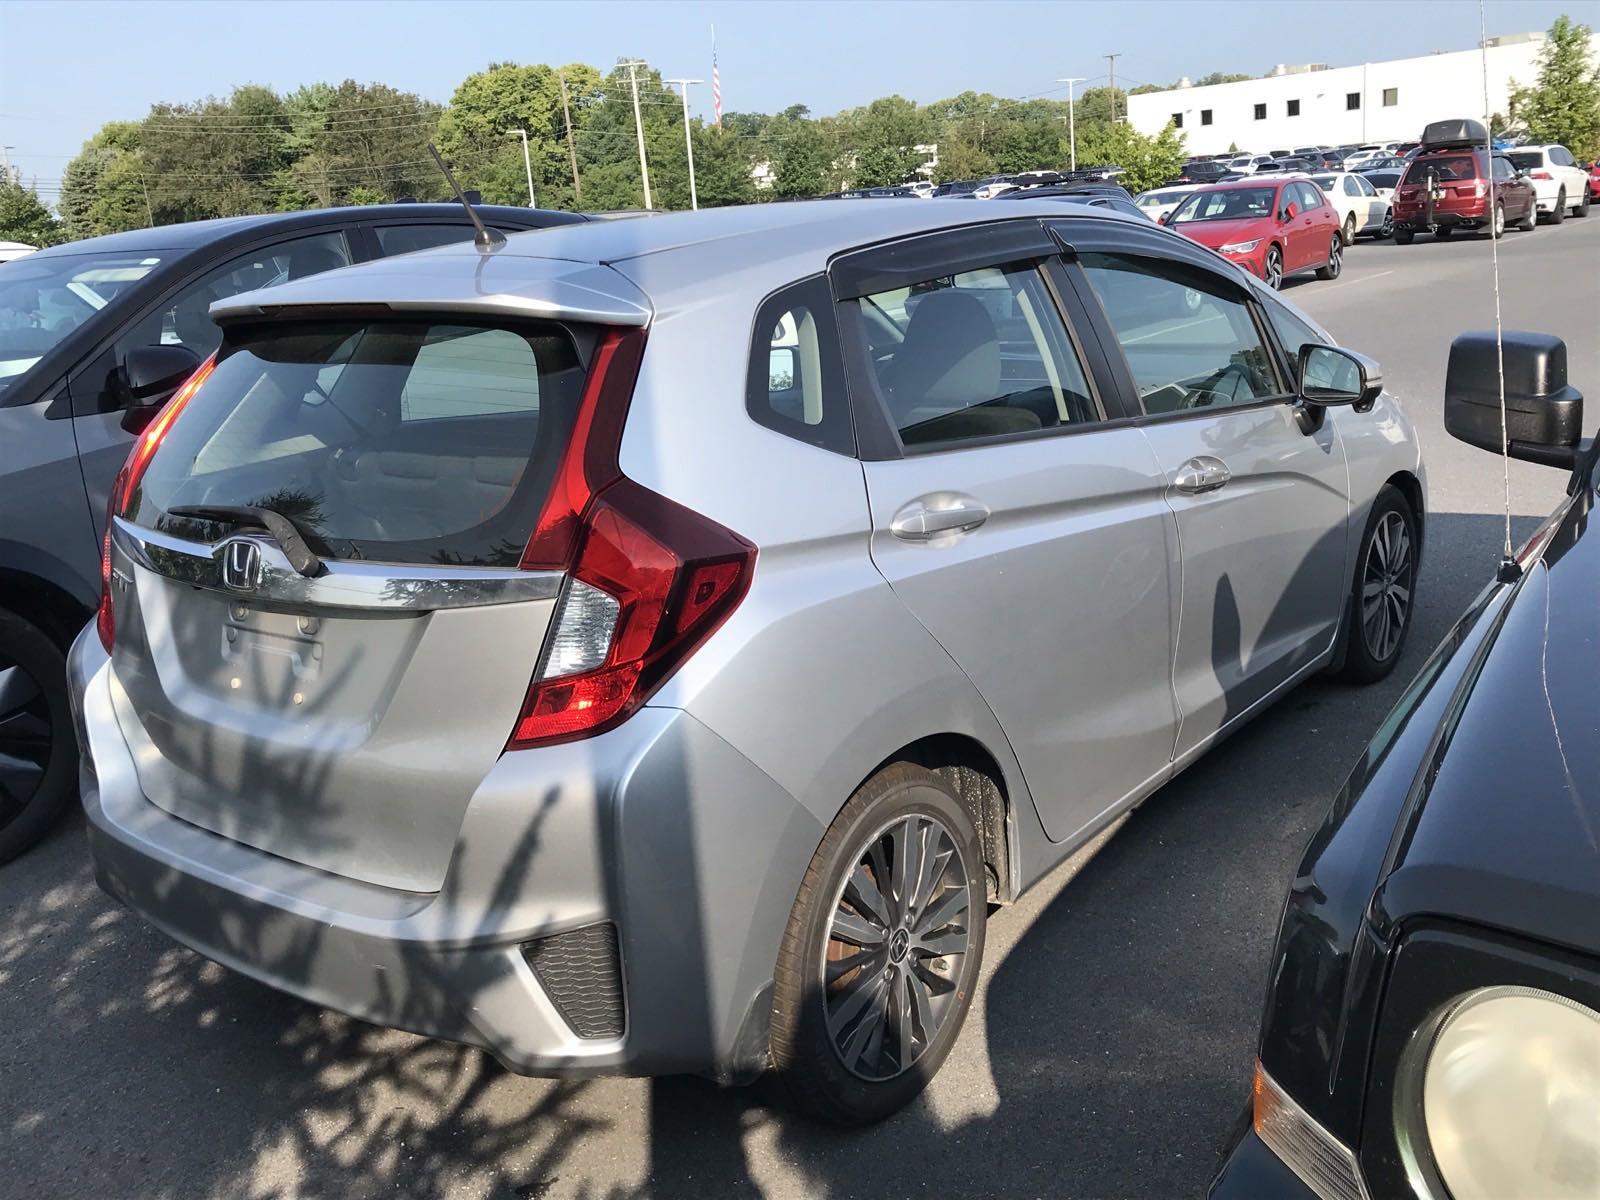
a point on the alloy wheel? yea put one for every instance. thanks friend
(1349, 233)
(1499, 220)
(1387, 229)
(25, 738)
(1274, 268)
(1335, 258)
(897, 940)
(1386, 587)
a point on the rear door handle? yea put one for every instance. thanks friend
(926, 518)
(1200, 475)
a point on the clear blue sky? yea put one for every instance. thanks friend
(69, 66)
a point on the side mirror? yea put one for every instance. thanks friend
(152, 374)
(1543, 414)
(1287, 214)
(1331, 376)
(1166, 217)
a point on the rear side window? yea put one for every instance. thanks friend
(1189, 343)
(403, 239)
(394, 441)
(974, 355)
(796, 377)
(1444, 167)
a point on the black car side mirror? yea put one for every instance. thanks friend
(1543, 412)
(1331, 376)
(152, 374)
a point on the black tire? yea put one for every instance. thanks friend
(1347, 231)
(1404, 237)
(1444, 231)
(1273, 266)
(1497, 223)
(38, 749)
(1558, 214)
(1369, 658)
(1335, 259)
(1386, 230)
(1582, 210)
(1530, 220)
(809, 1067)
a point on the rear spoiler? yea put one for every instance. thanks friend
(452, 280)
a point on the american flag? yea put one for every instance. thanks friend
(716, 84)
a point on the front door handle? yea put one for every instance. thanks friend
(925, 519)
(1200, 475)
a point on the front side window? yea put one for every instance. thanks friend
(411, 441)
(1292, 329)
(185, 320)
(1189, 342)
(796, 377)
(1503, 169)
(974, 355)
(43, 298)
(1351, 187)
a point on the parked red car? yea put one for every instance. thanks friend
(1273, 228)
(1594, 180)
(1461, 187)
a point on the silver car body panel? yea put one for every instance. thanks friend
(371, 846)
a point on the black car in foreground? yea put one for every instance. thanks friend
(1432, 1024)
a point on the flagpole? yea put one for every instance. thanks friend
(716, 82)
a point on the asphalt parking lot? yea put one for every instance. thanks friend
(1106, 1055)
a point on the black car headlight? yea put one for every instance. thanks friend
(1507, 1094)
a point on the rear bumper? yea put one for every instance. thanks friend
(1446, 212)
(658, 828)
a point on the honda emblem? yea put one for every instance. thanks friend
(241, 564)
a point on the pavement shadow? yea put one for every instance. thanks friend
(1119, 1010)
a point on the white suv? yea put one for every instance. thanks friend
(1559, 183)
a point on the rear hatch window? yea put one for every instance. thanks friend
(1527, 160)
(1445, 168)
(419, 442)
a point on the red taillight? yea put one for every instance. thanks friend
(105, 618)
(1540, 175)
(133, 469)
(148, 442)
(648, 579)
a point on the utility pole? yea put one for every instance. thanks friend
(527, 162)
(5, 162)
(1072, 125)
(572, 155)
(688, 141)
(1112, 76)
(633, 65)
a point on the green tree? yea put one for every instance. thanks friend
(1564, 104)
(882, 140)
(1220, 77)
(800, 153)
(477, 132)
(1147, 162)
(103, 189)
(24, 218)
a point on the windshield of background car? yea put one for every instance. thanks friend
(1444, 167)
(1233, 204)
(412, 441)
(1526, 160)
(43, 299)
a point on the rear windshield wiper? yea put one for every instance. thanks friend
(284, 531)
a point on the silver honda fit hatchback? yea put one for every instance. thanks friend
(654, 647)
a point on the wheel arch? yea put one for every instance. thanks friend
(975, 776)
(1409, 486)
(43, 604)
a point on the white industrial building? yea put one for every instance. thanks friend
(1318, 105)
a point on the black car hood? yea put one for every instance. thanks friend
(1508, 832)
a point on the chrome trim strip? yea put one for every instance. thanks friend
(352, 586)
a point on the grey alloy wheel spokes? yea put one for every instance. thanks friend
(1386, 587)
(897, 941)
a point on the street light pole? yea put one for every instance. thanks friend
(527, 163)
(688, 141)
(633, 65)
(1072, 125)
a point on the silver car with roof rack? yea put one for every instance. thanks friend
(652, 647)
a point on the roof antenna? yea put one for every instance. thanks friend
(486, 240)
(1510, 570)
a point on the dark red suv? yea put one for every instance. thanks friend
(1450, 187)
